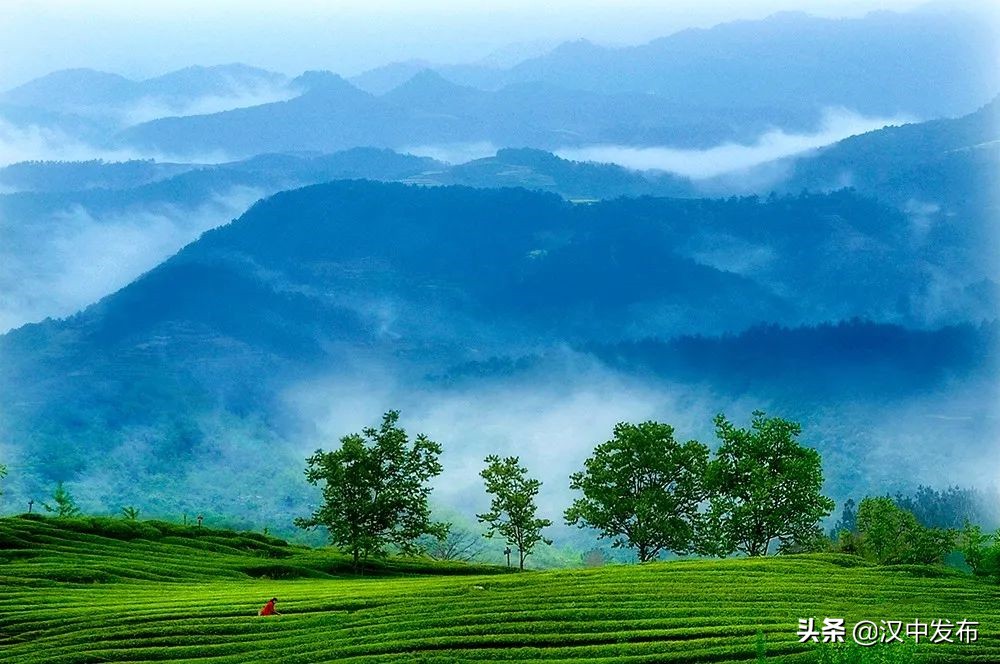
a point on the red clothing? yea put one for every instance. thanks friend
(268, 609)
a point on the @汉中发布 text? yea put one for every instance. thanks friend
(869, 632)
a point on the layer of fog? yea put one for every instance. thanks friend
(153, 108)
(56, 264)
(247, 471)
(776, 144)
(452, 153)
(553, 420)
(37, 142)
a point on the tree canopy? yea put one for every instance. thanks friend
(512, 513)
(891, 535)
(375, 490)
(765, 488)
(642, 489)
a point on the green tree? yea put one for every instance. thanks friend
(375, 490)
(513, 511)
(948, 508)
(891, 535)
(642, 489)
(981, 551)
(3, 474)
(63, 504)
(130, 513)
(765, 487)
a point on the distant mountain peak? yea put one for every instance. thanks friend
(427, 85)
(577, 45)
(575, 48)
(198, 80)
(74, 79)
(322, 81)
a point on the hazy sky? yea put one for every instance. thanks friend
(151, 37)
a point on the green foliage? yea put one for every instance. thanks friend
(130, 513)
(847, 542)
(890, 535)
(375, 490)
(63, 504)
(949, 508)
(194, 593)
(761, 647)
(981, 551)
(812, 540)
(512, 513)
(764, 487)
(3, 474)
(85, 549)
(880, 653)
(641, 489)
(848, 520)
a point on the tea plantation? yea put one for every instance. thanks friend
(103, 590)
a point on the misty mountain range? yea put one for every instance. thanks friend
(326, 280)
(103, 96)
(790, 60)
(696, 88)
(936, 174)
(186, 329)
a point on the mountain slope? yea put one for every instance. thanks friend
(428, 110)
(876, 161)
(943, 174)
(317, 280)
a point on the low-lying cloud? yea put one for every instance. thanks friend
(153, 108)
(837, 124)
(552, 420)
(58, 263)
(41, 143)
(453, 153)
(37, 142)
(552, 424)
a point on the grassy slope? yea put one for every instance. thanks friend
(183, 593)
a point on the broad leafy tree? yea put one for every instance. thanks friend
(513, 513)
(889, 534)
(642, 489)
(981, 551)
(765, 488)
(375, 490)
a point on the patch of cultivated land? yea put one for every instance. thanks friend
(88, 590)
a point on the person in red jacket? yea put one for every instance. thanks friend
(268, 609)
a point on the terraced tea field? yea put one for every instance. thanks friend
(100, 591)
